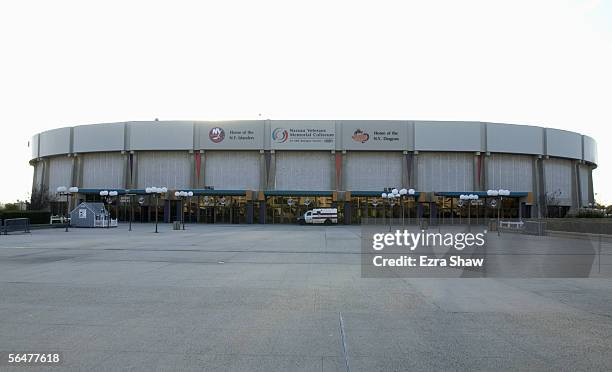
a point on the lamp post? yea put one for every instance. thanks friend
(108, 196)
(181, 195)
(190, 194)
(131, 210)
(156, 191)
(469, 198)
(500, 193)
(390, 197)
(67, 191)
(384, 198)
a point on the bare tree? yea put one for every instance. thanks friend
(39, 199)
(552, 199)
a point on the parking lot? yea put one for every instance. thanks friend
(280, 298)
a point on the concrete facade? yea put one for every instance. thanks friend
(319, 155)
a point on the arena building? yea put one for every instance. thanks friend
(270, 171)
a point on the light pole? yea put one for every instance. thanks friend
(391, 202)
(108, 195)
(181, 195)
(190, 194)
(156, 191)
(384, 197)
(67, 191)
(500, 193)
(131, 209)
(469, 198)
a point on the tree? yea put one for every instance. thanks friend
(39, 199)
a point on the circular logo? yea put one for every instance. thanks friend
(217, 134)
(360, 136)
(280, 135)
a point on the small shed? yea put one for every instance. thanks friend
(89, 215)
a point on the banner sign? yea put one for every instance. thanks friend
(303, 135)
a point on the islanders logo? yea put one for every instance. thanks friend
(216, 134)
(360, 136)
(280, 135)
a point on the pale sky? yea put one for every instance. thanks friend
(546, 63)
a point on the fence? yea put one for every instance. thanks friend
(15, 224)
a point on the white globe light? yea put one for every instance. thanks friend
(113, 193)
(148, 190)
(73, 190)
(61, 189)
(384, 195)
(177, 194)
(394, 191)
(103, 193)
(164, 189)
(462, 197)
(411, 192)
(403, 192)
(190, 193)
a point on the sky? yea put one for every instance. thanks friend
(65, 63)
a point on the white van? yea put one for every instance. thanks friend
(325, 216)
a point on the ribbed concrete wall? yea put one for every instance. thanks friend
(38, 174)
(584, 184)
(445, 171)
(304, 170)
(232, 170)
(60, 173)
(558, 179)
(171, 169)
(372, 171)
(103, 170)
(511, 172)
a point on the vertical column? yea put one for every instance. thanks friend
(166, 210)
(591, 190)
(271, 170)
(133, 159)
(539, 186)
(577, 184)
(337, 156)
(407, 170)
(261, 198)
(45, 178)
(178, 210)
(193, 172)
(71, 177)
(77, 171)
(478, 178)
(200, 166)
(415, 171)
(263, 171)
(249, 206)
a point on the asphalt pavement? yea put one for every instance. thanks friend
(279, 298)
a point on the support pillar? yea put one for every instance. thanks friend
(167, 211)
(271, 166)
(262, 211)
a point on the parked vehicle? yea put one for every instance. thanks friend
(325, 216)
